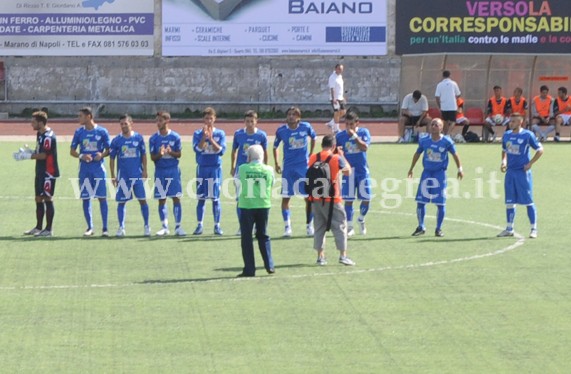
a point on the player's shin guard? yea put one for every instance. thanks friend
(363, 210)
(286, 215)
(216, 211)
(163, 215)
(532, 214)
(200, 210)
(87, 213)
(510, 216)
(50, 213)
(349, 212)
(145, 213)
(121, 209)
(441, 212)
(177, 213)
(104, 212)
(420, 213)
(40, 210)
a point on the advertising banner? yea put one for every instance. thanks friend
(274, 27)
(445, 26)
(76, 27)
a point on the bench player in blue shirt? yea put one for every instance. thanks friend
(432, 187)
(243, 139)
(296, 148)
(165, 147)
(209, 143)
(131, 154)
(516, 163)
(93, 143)
(355, 142)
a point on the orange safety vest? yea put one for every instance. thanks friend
(498, 108)
(543, 106)
(519, 106)
(564, 106)
(460, 104)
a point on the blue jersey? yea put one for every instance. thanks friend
(129, 152)
(517, 147)
(435, 152)
(208, 156)
(243, 140)
(91, 142)
(171, 139)
(296, 146)
(357, 158)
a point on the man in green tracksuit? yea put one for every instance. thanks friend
(256, 180)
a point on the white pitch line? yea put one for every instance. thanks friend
(520, 241)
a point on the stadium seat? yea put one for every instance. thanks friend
(434, 113)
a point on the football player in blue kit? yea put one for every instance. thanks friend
(93, 142)
(165, 148)
(432, 187)
(517, 163)
(243, 139)
(355, 142)
(131, 154)
(294, 135)
(209, 144)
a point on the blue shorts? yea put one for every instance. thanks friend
(92, 183)
(518, 187)
(129, 186)
(356, 185)
(167, 183)
(293, 182)
(208, 179)
(432, 187)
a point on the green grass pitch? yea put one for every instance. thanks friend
(465, 303)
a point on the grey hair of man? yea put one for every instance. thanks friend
(255, 153)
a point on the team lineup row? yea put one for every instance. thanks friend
(128, 166)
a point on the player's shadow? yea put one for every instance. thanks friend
(261, 269)
(36, 240)
(451, 240)
(184, 280)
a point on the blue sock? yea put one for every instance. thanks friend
(420, 213)
(238, 211)
(510, 212)
(441, 212)
(286, 216)
(145, 213)
(311, 218)
(216, 211)
(200, 211)
(177, 213)
(349, 212)
(363, 210)
(532, 214)
(104, 212)
(87, 213)
(121, 209)
(163, 215)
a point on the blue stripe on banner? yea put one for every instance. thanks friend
(355, 34)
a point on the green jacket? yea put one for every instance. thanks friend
(256, 181)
